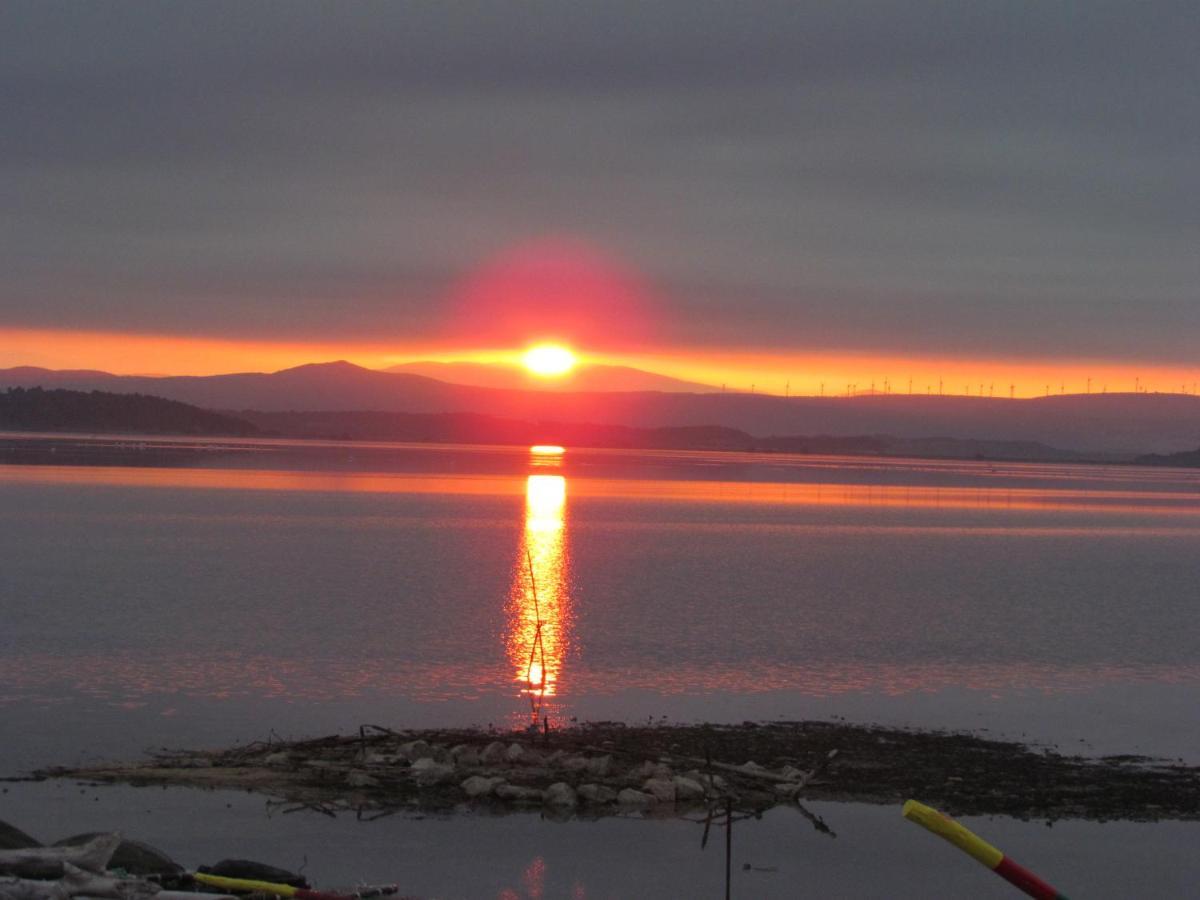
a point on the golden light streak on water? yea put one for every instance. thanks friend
(539, 605)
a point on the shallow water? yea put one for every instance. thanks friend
(876, 853)
(184, 593)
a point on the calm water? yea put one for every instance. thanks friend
(194, 594)
(197, 593)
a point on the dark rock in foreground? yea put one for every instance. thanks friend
(13, 838)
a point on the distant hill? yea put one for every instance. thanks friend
(38, 409)
(35, 409)
(469, 428)
(1186, 459)
(1122, 424)
(584, 378)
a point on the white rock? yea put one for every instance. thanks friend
(751, 766)
(561, 795)
(276, 759)
(687, 790)
(427, 771)
(414, 750)
(381, 759)
(661, 789)
(631, 799)
(492, 753)
(516, 794)
(596, 793)
(479, 786)
(361, 780)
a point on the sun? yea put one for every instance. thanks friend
(549, 360)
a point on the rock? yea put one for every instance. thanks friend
(599, 765)
(556, 758)
(519, 754)
(596, 794)
(465, 755)
(575, 763)
(134, 857)
(712, 784)
(661, 789)
(492, 753)
(248, 868)
(792, 772)
(687, 790)
(277, 759)
(516, 794)
(428, 772)
(381, 759)
(631, 799)
(642, 771)
(561, 795)
(414, 750)
(479, 786)
(13, 838)
(357, 779)
(650, 769)
(752, 767)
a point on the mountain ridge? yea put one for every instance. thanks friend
(1093, 423)
(591, 377)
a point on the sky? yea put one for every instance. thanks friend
(988, 192)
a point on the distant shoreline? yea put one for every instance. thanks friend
(45, 446)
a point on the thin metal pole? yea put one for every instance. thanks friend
(728, 846)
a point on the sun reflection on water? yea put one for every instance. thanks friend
(539, 600)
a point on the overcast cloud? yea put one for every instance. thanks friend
(967, 178)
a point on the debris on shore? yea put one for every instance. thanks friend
(611, 769)
(106, 865)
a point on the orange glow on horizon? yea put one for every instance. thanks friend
(768, 371)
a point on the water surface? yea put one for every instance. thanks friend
(200, 592)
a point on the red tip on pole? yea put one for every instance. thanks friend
(1026, 881)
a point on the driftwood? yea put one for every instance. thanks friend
(50, 862)
(75, 882)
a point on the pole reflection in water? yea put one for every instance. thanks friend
(539, 602)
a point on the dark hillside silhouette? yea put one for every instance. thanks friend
(36, 409)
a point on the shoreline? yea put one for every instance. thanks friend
(605, 768)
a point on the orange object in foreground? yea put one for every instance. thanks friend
(980, 850)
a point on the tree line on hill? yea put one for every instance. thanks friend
(38, 409)
(60, 410)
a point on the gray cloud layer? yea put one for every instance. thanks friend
(984, 177)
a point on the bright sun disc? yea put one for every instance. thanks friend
(549, 360)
